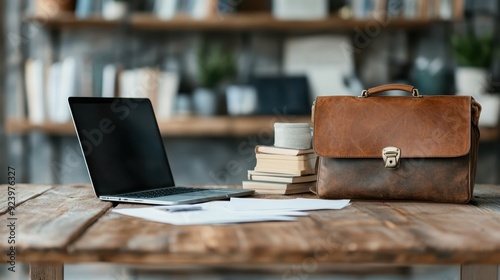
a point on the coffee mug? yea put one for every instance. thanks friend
(292, 135)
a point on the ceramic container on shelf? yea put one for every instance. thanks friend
(183, 105)
(300, 9)
(241, 100)
(471, 80)
(205, 102)
(292, 135)
(113, 9)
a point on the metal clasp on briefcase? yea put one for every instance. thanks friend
(391, 155)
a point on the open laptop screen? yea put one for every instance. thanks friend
(121, 144)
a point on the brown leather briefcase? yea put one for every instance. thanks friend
(396, 147)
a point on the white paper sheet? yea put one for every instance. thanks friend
(225, 205)
(238, 210)
(298, 204)
(205, 216)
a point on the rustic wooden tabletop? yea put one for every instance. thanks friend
(53, 225)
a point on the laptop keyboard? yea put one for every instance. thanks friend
(164, 192)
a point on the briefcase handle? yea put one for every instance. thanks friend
(407, 88)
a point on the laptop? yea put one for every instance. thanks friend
(125, 155)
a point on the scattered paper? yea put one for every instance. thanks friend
(298, 204)
(204, 216)
(237, 210)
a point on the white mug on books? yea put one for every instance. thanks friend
(292, 135)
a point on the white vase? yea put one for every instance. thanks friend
(241, 100)
(471, 80)
(114, 9)
(205, 102)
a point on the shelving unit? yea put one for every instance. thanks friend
(202, 126)
(248, 21)
(199, 126)
(179, 126)
(249, 18)
(239, 22)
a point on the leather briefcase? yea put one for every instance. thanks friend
(396, 147)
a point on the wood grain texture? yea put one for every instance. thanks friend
(196, 126)
(373, 232)
(382, 232)
(479, 272)
(46, 271)
(65, 20)
(23, 193)
(240, 22)
(55, 218)
(261, 21)
(179, 126)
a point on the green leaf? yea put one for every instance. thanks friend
(473, 51)
(215, 64)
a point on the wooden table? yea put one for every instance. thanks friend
(67, 224)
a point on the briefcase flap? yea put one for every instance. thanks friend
(424, 127)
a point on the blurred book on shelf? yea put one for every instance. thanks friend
(54, 91)
(168, 87)
(35, 90)
(110, 80)
(160, 87)
(48, 87)
(408, 9)
(51, 7)
(87, 8)
(282, 171)
(197, 9)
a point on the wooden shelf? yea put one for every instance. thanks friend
(179, 126)
(258, 21)
(199, 126)
(235, 22)
(490, 134)
(70, 20)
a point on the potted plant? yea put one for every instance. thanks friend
(473, 55)
(216, 66)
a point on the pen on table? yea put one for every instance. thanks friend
(181, 208)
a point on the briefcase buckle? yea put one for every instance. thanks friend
(391, 156)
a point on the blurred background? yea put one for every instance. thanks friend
(220, 73)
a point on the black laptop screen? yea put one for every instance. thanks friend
(121, 144)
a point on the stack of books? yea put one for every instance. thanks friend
(282, 171)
